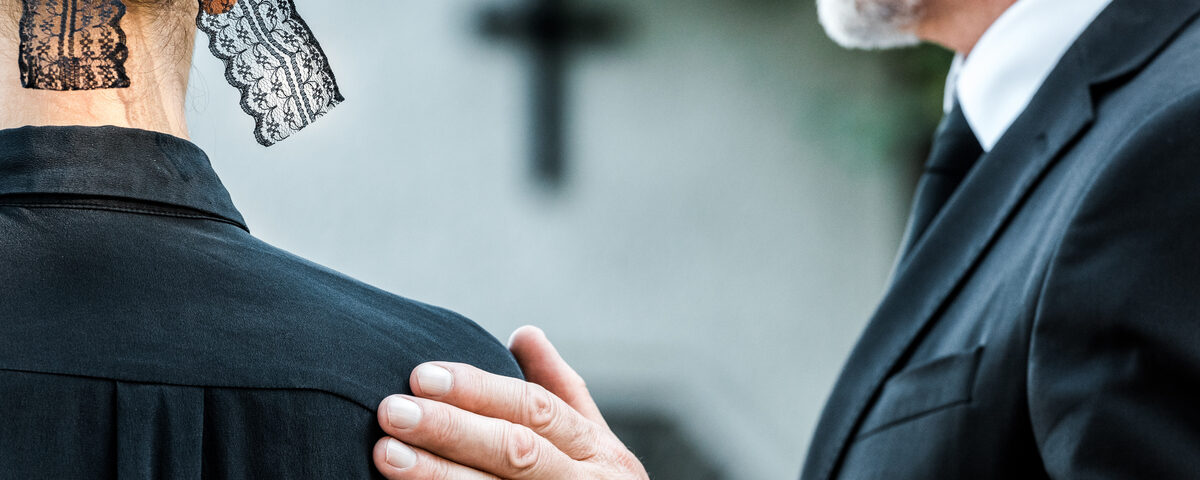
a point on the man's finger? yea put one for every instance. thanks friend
(542, 365)
(491, 445)
(513, 400)
(397, 461)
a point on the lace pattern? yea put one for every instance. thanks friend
(72, 45)
(271, 56)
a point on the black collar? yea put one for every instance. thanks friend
(115, 163)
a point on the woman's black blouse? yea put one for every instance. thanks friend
(144, 333)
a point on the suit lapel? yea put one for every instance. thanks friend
(1121, 40)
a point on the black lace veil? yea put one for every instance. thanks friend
(73, 45)
(270, 56)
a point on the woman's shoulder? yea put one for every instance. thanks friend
(221, 309)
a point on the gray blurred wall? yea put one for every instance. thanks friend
(728, 223)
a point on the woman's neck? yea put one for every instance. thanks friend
(158, 67)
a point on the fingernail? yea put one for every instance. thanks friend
(399, 455)
(403, 413)
(434, 380)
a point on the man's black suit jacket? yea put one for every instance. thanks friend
(1047, 325)
(145, 334)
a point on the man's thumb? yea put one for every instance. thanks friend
(542, 364)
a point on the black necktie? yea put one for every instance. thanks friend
(955, 151)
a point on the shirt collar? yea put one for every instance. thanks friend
(1006, 68)
(112, 162)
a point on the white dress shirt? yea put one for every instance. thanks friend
(1010, 62)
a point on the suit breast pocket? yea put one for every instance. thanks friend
(924, 389)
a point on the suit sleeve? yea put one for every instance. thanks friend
(1114, 360)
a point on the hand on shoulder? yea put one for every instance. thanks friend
(464, 423)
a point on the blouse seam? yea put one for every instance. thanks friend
(205, 387)
(144, 211)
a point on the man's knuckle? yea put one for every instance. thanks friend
(522, 452)
(539, 407)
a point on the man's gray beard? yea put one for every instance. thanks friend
(870, 23)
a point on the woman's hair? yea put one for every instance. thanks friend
(160, 10)
(172, 22)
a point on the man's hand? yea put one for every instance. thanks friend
(468, 424)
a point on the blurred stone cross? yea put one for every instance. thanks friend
(550, 29)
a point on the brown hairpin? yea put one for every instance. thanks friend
(217, 7)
